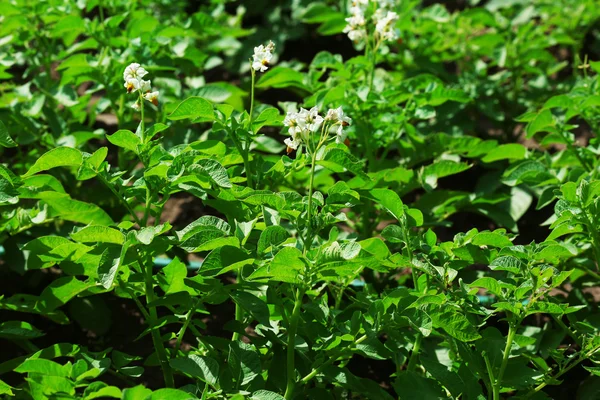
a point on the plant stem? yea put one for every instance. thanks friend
(565, 328)
(412, 363)
(310, 196)
(291, 345)
(188, 319)
(244, 155)
(253, 73)
(333, 358)
(239, 311)
(490, 374)
(497, 383)
(121, 199)
(562, 372)
(147, 208)
(142, 127)
(156, 339)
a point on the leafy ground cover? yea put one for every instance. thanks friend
(272, 200)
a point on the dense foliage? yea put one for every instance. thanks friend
(304, 200)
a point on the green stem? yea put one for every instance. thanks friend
(244, 155)
(156, 339)
(252, 97)
(142, 127)
(121, 199)
(147, 208)
(497, 384)
(574, 149)
(412, 363)
(565, 328)
(239, 311)
(310, 197)
(291, 345)
(562, 372)
(136, 300)
(589, 271)
(490, 372)
(188, 319)
(332, 358)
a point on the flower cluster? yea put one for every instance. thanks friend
(383, 18)
(133, 76)
(306, 122)
(357, 25)
(262, 57)
(385, 24)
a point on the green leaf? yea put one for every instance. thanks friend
(454, 323)
(147, 234)
(200, 224)
(243, 362)
(430, 174)
(266, 395)
(541, 122)
(410, 386)
(491, 239)
(272, 236)
(193, 108)
(593, 370)
(60, 291)
(17, 330)
(110, 261)
(506, 263)
(6, 389)
(318, 12)
(488, 283)
(58, 157)
(204, 368)
(281, 77)
(175, 273)
(333, 158)
(171, 394)
(440, 95)
(125, 139)
(98, 234)
(390, 201)
(5, 139)
(527, 169)
(255, 306)
(68, 209)
(208, 238)
(43, 367)
(136, 393)
(511, 151)
(287, 266)
(224, 259)
(214, 170)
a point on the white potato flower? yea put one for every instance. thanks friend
(386, 3)
(310, 119)
(356, 28)
(291, 121)
(337, 115)
(262, 57)
(360, 3)
(152, 97)
(385, 26)
(292, 143)
(134, 71)
(133, 75)
(339, 120)
(145, 86)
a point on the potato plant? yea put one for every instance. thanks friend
(364, 199)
